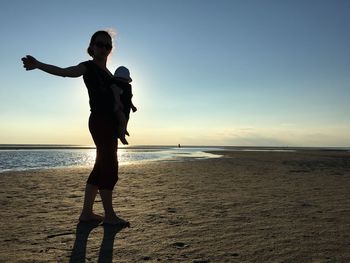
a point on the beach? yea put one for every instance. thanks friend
(247, 206)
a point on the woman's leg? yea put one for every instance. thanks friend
(110, 216)
(105, 172)
(91, 187)
(89, 199)
(106, 196)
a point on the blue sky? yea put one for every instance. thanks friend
(205, 72)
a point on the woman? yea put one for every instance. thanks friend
(102, 124)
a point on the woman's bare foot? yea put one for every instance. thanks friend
(114, 220)
(90, 217)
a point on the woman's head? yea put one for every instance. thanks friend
(100, 44)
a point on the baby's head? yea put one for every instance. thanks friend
(123, 73)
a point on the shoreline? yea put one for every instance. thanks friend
(242, 207)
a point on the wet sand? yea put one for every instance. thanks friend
(243, 207)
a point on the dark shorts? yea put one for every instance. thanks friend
(103, 130)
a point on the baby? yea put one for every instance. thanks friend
(122, 92)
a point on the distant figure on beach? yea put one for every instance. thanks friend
(122, 91)
(102, 125)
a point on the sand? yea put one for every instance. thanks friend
(243, 207)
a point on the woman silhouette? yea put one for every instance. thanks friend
(102, 124)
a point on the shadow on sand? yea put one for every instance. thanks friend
(82, 234)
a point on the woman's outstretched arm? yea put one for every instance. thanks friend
(30, 63)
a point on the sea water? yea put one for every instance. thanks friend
(25, 157)
(19, 158)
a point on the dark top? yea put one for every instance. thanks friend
(97, 82)
(126, 95)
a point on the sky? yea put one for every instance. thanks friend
(230, 73)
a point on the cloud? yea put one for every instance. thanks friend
(286, 136)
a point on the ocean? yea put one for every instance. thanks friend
(26, 157)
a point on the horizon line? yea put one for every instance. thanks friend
(79, 146)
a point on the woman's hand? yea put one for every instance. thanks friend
(30, 63)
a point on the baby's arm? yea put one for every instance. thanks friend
(132, 104)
